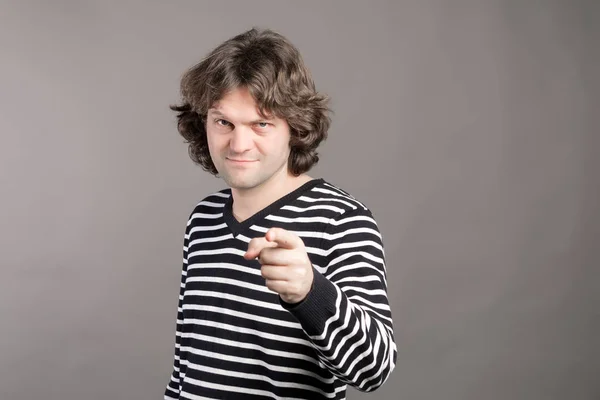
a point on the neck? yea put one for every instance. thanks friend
(247, 202)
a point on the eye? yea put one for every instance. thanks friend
(222, 122)
(263, 125)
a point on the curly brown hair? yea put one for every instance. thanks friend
(271, 68)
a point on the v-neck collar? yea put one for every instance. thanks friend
(237, 227)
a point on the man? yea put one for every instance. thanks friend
(283, 289)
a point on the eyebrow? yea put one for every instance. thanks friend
(220, 114)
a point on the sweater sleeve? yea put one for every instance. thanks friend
(173, 387)
(347, 315)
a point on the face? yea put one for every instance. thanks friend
(249, 151)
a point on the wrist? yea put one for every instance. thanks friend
(291, 300)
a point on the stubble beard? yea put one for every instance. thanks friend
(247, 180)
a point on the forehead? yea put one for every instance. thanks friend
(238, 104)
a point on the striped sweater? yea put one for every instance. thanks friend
(237, 339)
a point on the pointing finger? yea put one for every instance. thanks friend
(284, 238)
(256, 245)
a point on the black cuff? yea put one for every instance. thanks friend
(317, 307)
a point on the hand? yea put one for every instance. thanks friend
(285, 263)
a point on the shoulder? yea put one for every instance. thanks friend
(212, 204)
(354, 221)
(346, 203)
(345, 210)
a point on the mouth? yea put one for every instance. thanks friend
(236, 161)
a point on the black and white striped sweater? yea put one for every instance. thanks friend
(237, 339)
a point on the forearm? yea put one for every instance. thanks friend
(355, 343)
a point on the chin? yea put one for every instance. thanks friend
(241, 184)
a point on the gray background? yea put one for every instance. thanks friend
(470, 128)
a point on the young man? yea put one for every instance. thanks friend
(283, 290)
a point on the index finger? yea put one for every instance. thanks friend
(255, 246)
(283, 238)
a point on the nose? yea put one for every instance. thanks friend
(241, 140)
